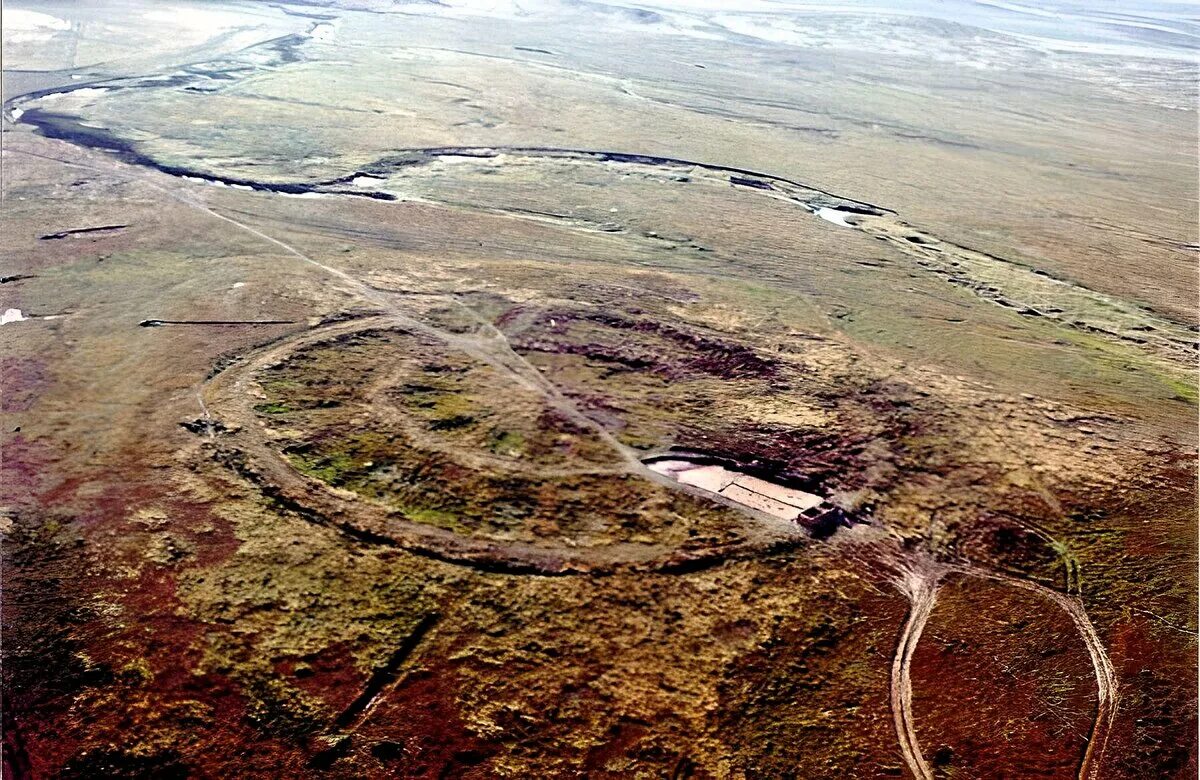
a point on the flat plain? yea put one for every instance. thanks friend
(583, 389)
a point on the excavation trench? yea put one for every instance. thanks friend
(758, 489)
(760, 498)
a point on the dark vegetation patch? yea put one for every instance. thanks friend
(1156, 704)
(634, 742)
(813, 460)
(121, 764)
(385, 675)
(282, 711)
(329, 673)
(24, 379)
(435, 742)
(974, 671)
(640, 344)
(48, 624)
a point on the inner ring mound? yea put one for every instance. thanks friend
(395, 437)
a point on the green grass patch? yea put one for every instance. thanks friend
(508, 443)
(275, 407)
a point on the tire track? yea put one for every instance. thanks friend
(919, 581)
(920, 584)
(1107, 684)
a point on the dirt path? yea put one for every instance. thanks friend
(1106, 676)
(244, 447)
(919, 581)
(920, 585)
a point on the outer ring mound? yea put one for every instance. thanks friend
(240, 443)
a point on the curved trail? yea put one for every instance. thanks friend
(243, 448)
(1106, 676)
(921, 588)
(769, 534)
(996, 280)
(919, 582)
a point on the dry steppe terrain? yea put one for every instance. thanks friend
(582, 389)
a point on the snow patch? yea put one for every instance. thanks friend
(12, 315)
(323, 31)
(836, 216)
(32, 21)
(205, 21)
(83, 92)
